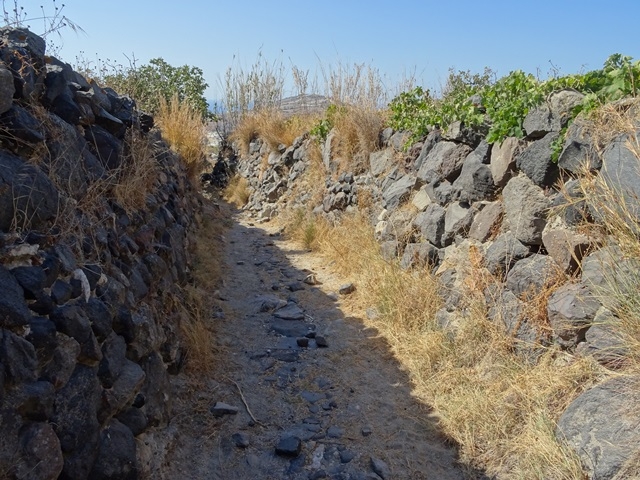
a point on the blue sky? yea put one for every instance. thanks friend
(424, 37)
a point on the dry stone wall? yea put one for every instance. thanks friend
(454, 198)
(86, 339)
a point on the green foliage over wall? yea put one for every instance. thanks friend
(158, 79)
(503, 104)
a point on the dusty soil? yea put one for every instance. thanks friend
(347, 406)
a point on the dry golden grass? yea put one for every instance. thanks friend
(357, 130)
(499, 408)
(137, 174)
(617, 222)
(182, 126)
(237, 191)
(272, 126)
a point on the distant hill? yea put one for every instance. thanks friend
(292, 105)
(303, 104)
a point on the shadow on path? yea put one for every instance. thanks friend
(303, 377)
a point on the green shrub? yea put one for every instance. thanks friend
(157, 80)
(507, 101)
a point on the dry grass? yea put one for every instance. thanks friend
(196, 304)
(182, 126)
(500, 408)
(617, 223)
(272, 126)
(357, 130)
(237, 191)
(137, 174)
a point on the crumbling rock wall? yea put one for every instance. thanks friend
(87, 336)
(453, 200)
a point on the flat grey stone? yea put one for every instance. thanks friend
(290, 328)
(290, 312)
(220, 409)
(312, 397)
(381, 468)
(289, 446)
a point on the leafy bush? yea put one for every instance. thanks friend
(418, 111)
(182, 126)
(507, 101)
(157, 80)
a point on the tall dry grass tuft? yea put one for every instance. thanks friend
(237, 191)
(500, 408)
(272, 126)
(357, 130)
(137, 174)
(616, 222)
(182, 126)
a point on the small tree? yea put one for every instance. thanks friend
(149, 83)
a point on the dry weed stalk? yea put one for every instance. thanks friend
(615, 223)
(183, 128)
(357, 130)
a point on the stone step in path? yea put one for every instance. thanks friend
(300, 390)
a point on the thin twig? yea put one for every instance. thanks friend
(246, 405)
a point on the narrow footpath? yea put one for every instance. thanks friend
(300, 390)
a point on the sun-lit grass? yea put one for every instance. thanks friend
(182, 126)
(500, 408)
(272, 126)
(616, 222)
(357, 130)
(137, 174)
(237, 191)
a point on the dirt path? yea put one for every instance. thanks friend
(346, 408)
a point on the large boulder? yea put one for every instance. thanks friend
(503, 160)
(457, 220)
(432, 139)
(536, 161)
(503, 254)
(528, 277)
(475, 181)
(578, 152)
(24, 53)
(601, 426)
(399, 191)
(443, 162)
(565, 246)
(622, 177)
(27, 197)
(75, 421)
(7, 89)
(13, 309)
(431, 224)
(487, 221)
(571, 309)
(553, 115)
(418, 255)
(116, 457)
(526, 209)
(380, 161)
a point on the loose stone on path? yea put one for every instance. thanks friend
(289, 447)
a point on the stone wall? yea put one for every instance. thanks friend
(87, 334)
(466, 207)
